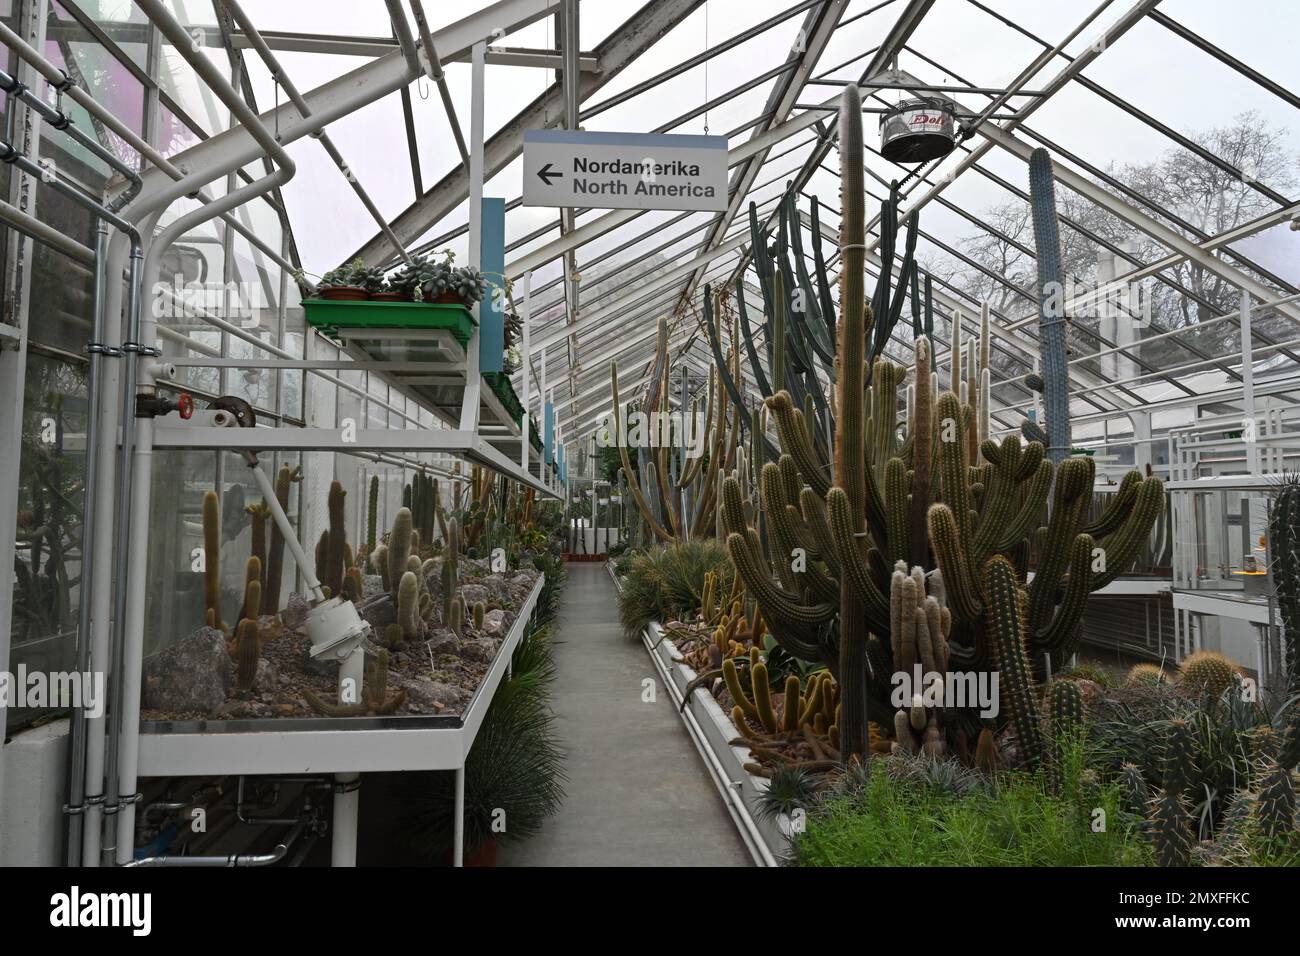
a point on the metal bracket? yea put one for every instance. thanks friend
(150, 350)
(123, 800)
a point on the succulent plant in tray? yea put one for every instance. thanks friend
(345, 282)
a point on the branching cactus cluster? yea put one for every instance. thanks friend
(926, 488)
(675, 493)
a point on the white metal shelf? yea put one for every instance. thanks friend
(340, 745)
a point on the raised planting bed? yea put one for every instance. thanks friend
(711, 730)
(329, 744)
(436, 672)
(334, 316)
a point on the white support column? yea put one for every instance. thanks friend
(525, 319)
(473, 379)
(458, 820)
(1250, 427)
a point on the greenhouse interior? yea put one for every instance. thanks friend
(745, 433)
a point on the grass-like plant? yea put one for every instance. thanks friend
(912, 812)
(515, 772)
(667, 582)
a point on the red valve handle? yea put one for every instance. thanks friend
(185, 405)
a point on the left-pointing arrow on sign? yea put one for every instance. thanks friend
(546, 174)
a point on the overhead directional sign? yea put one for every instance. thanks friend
(624, 170)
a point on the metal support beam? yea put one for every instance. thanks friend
(815, 33)
(632, 39)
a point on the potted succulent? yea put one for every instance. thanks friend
(514, 329)
(345, 282)
(380, 289)
(406, 279)
(436, 282)
(467, 284)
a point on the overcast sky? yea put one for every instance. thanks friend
(1150, 66)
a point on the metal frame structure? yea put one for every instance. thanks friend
(656, 265)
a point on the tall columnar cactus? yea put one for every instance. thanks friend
(248, 653)
(1065, 717)
(1276, 808)
(927, 488)
(284, 480)
(372, 515)
(1168, 825)
(1179, 773)
(252, 606)
(1051, 305)
(335, 564)
(1066, 706)
(1006, 626)
(212, 558)
(399, 548)
(850, 481)
(1284, 555)
(408, 598)
(258, 515)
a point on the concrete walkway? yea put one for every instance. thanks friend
(638, 792)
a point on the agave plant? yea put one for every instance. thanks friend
(668, 582)
(516, 766)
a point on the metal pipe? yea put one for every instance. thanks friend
(137, 438)
(404, 38)
(132, 540)
(57, 78)
(286, 530)
(235, 859)
(77, 761)
(97, 521)
(62, 121)
(436, 74)
(29, 225)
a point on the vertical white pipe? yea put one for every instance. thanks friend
(100, 568)
(473, 383)
(1249, 425)
(133, 656)
(347, 786)
(525, 319)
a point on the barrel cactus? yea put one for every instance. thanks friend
(1145, 675)
(1207, 672)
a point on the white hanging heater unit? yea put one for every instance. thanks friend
(919, 130)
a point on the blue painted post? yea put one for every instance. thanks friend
(548, 434)
(492, 256)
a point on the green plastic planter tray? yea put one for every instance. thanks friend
(499, 382)
(332, 315)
